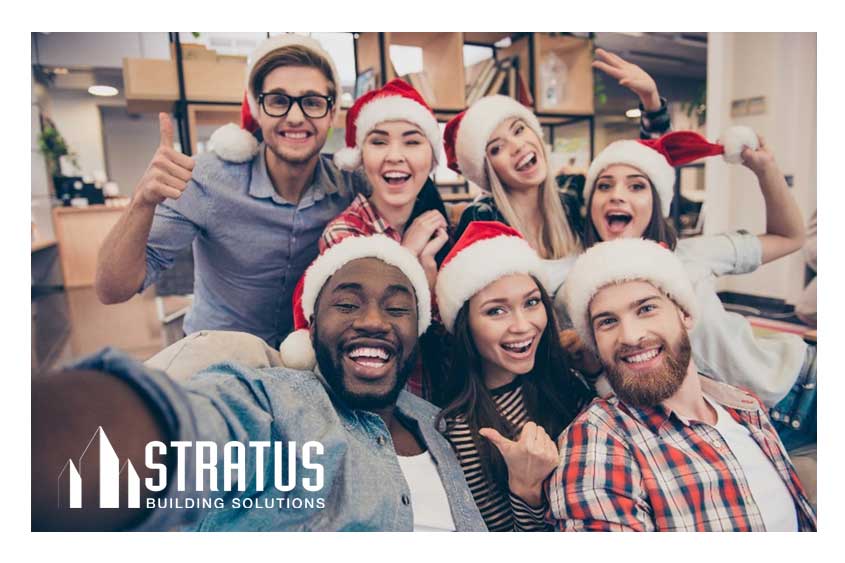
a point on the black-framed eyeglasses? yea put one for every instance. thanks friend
(276, 104)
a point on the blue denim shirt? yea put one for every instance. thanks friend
(364, 490)
(250, 245)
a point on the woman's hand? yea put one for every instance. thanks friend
(630, 76)
(421, 231)
(582, 359)
(428, 254)
(530, 460)
(759, 161)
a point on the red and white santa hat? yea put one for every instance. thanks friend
(395, 101)
(623, 260)
(486, 251)
(238, 144)
(297, 351)
(657, 158)
(466, 135)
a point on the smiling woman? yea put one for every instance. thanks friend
(508, 383)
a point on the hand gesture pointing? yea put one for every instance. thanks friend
(530, 460)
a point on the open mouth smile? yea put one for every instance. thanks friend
(527, 162)
(644, 359)
(617, 221)
(519, 349)
(369, 360)
(396, 178)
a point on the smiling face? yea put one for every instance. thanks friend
(516, 155)
(397, 159)
(642, 341)
(622, 203)
(507, 319)
(295, 138)
(365, 332)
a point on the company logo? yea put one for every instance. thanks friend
(196, 469)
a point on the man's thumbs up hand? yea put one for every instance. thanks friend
(169, 171)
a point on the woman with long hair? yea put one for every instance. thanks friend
(509, 391)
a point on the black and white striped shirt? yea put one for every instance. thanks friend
(502, 511)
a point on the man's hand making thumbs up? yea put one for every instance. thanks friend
(168, 172)
(529, 459)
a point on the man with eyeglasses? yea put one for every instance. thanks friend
(253, 210)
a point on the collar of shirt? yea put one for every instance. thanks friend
(726, 395)
(370, 214)
(261, 185)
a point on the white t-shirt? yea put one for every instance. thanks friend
(428, 497)
(768, 489)
(724, 347)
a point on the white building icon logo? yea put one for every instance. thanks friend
(109, 477)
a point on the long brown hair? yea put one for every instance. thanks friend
(552, 394)
(658, 229)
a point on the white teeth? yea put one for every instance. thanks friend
(396, 175)
(644, 357)
(518, 345)
(295, 135)
(525, 160)
(369, 353)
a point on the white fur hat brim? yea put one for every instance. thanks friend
(390, 108)
(478, 123)
(643, 158)
(479, 265)
(233, 144)
(376, 246)
(618, 261)
(277, 42)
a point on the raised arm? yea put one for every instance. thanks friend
(785, 231)
(122, 260)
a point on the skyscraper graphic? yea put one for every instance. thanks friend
(109, 476)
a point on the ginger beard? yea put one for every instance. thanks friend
(649, 389)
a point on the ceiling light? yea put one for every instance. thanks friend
(633, 113)
(60, 70)
(98, 90)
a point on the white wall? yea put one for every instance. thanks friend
(781, 67)
(130, 142)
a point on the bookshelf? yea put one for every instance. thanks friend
(528, 68)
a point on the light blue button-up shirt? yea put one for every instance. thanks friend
(364, 487)
(250, 245)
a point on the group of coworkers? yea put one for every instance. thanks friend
(541, 365)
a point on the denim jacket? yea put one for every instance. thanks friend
(364, 487)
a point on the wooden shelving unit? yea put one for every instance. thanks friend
(443, 62)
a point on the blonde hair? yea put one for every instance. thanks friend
(557, 238)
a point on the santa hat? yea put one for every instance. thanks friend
(238, 144)
(622, 260)
(486, 251)
(296, 350)
(396, 101)
(467, 133)
(657, 158)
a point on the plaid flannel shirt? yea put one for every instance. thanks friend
(360, 219)
(630, 469)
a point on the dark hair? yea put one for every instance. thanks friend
(552, 394)
(290, 55)
(658, 229)
(427, 200)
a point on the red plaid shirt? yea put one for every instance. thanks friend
(629, 469)
(359, 219)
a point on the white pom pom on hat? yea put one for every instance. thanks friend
(657, 158)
